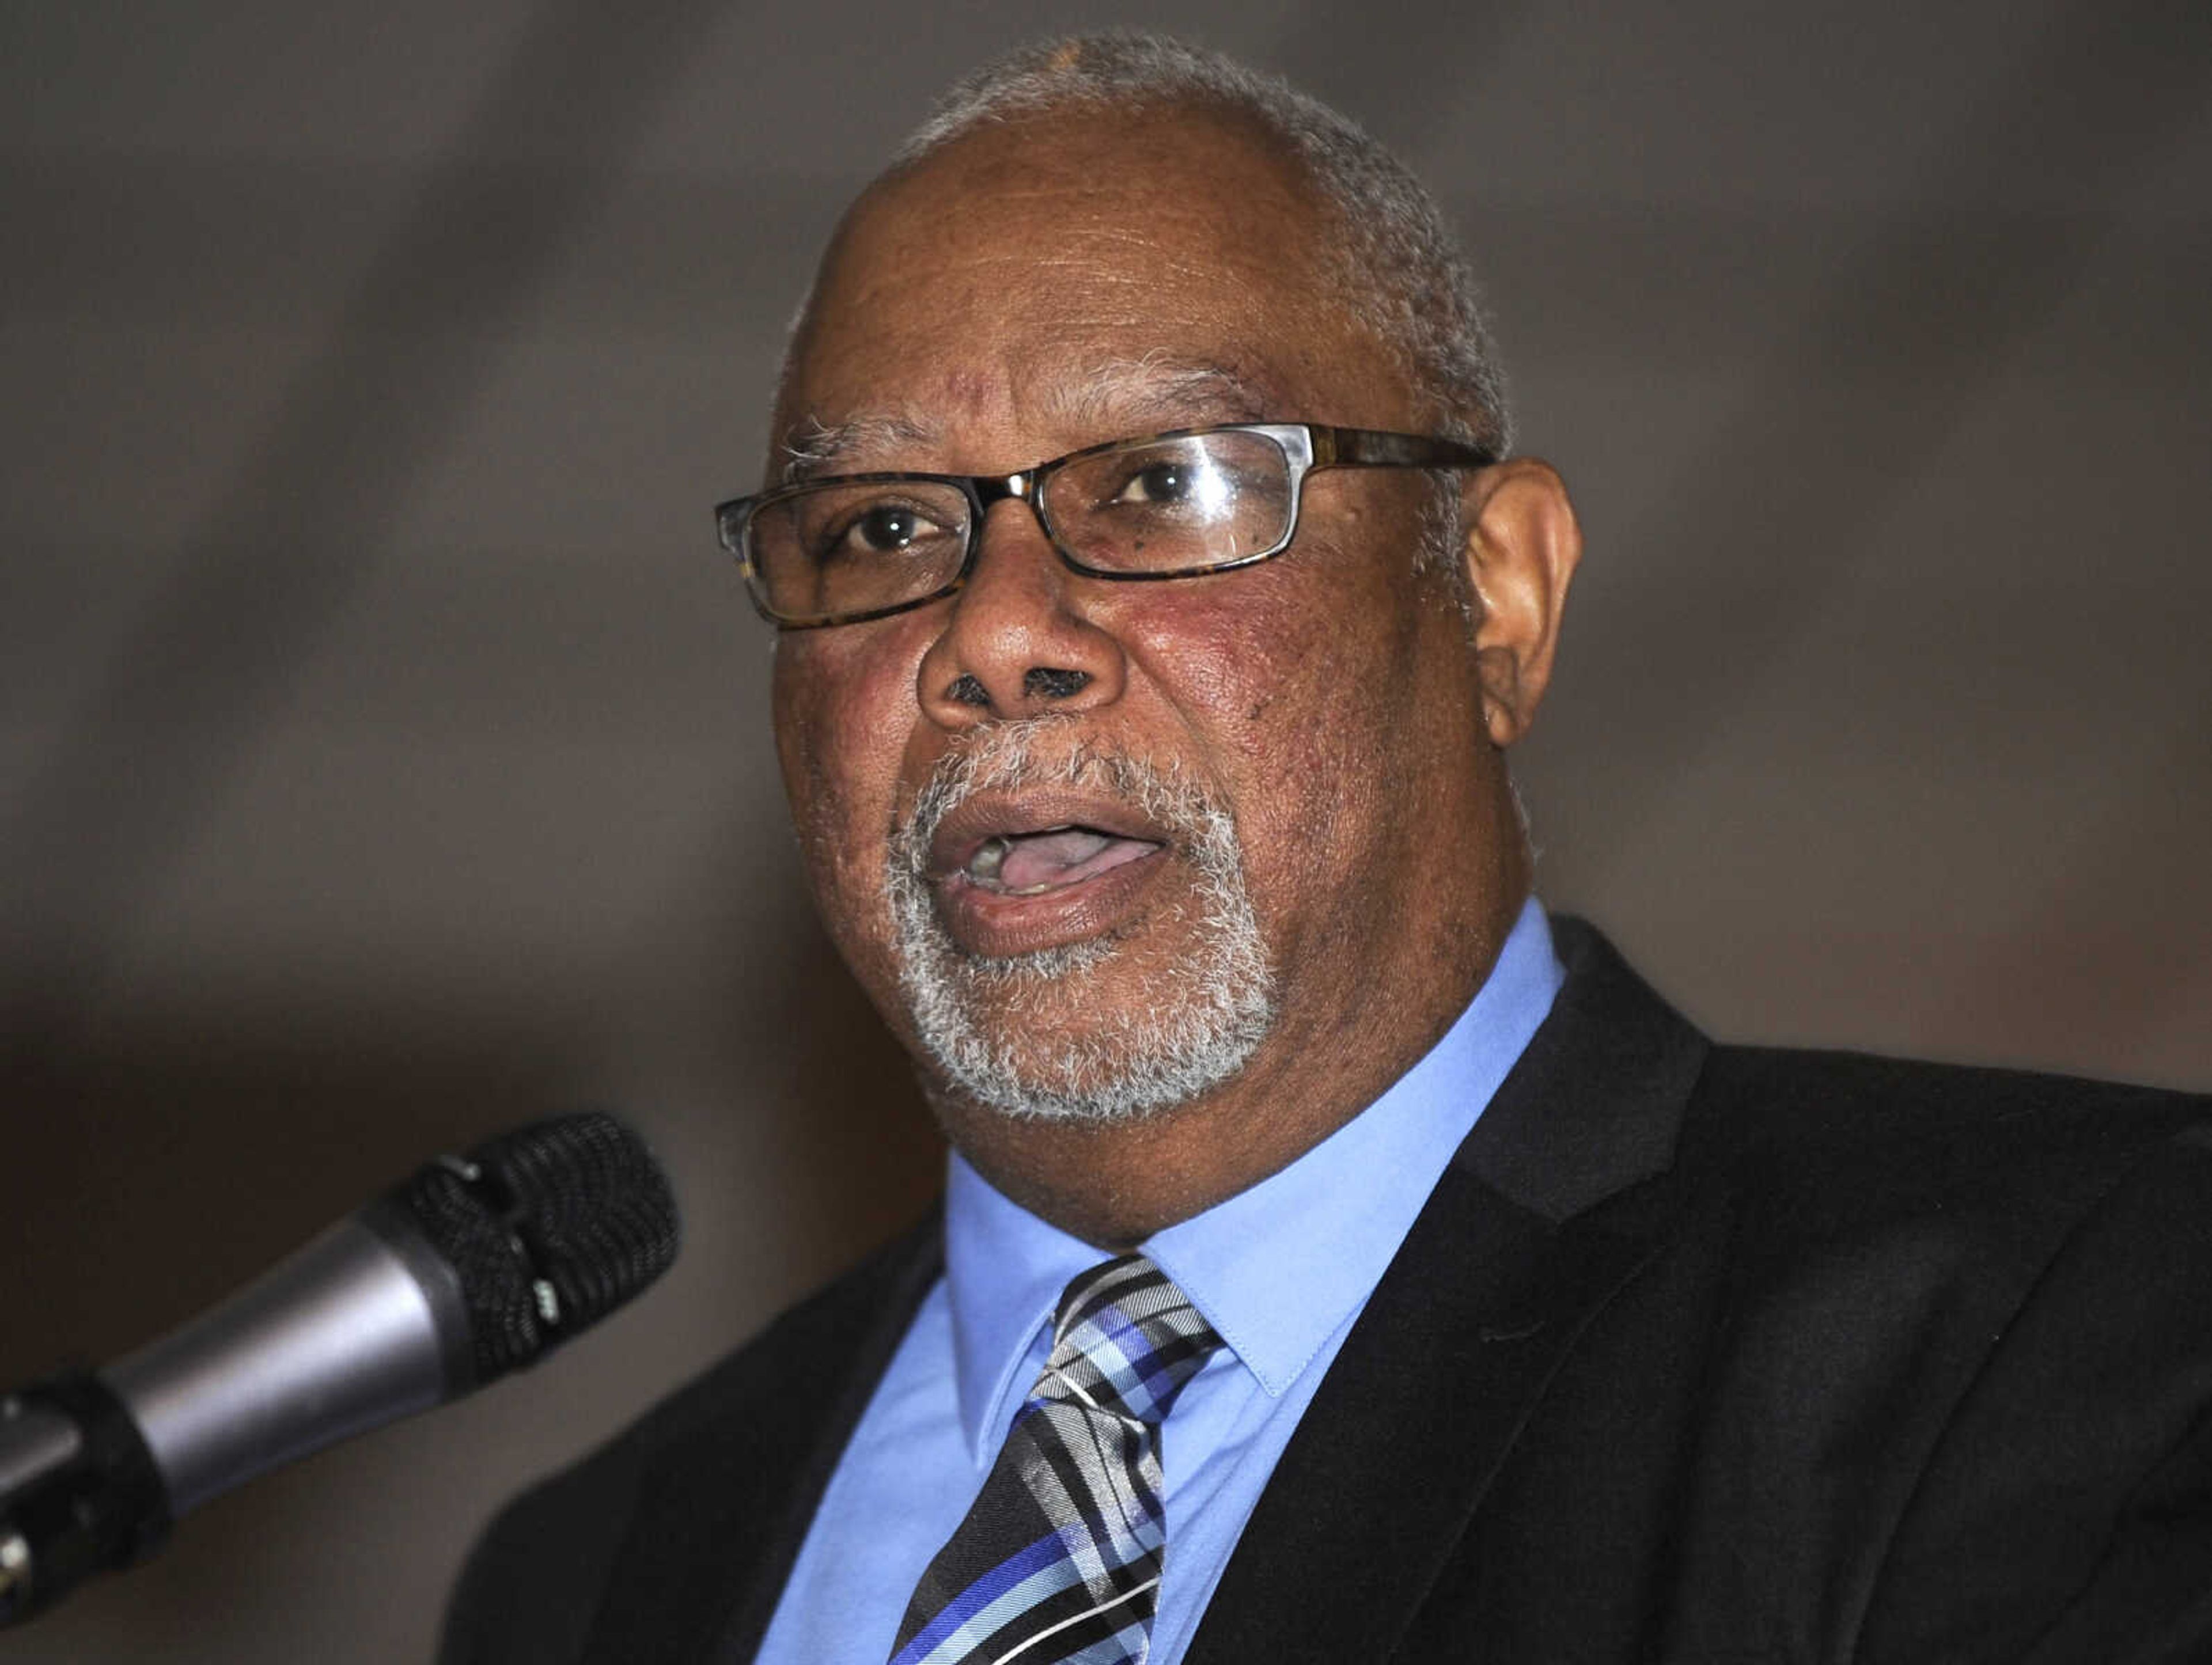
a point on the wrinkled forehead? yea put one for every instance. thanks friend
(1078, 277)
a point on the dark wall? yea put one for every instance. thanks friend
(382, 736)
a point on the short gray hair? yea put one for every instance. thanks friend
(1413, 285)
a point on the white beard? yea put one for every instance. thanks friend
(998, 1027)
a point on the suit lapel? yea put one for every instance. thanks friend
(1556, 1201)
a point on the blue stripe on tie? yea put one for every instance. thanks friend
(1136, 1373)
(1016, 1583)
(1116, 1366)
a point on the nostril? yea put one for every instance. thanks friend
(1046, 682)
(966, 690)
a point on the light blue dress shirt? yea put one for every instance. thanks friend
(1281, 1271)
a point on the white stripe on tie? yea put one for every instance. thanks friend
(1075, 1619)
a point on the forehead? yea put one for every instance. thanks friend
(1047, 282)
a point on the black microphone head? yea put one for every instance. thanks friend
(547, 1229)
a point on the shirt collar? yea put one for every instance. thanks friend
(1279, 1267)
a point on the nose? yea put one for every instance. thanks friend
(1017, 640)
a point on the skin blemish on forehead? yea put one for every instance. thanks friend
(968, 390)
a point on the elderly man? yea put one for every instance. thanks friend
(1339, 1260)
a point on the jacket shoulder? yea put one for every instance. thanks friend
(1860, 1129)
(1837, 1169)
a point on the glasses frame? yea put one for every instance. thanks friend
(1306, 447)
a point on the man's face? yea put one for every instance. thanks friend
(1094, 847)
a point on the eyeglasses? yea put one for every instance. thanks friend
(852, 547)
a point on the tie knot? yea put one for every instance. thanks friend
(1124, 1340)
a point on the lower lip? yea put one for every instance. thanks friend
(997, 925)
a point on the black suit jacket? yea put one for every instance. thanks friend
(1695, 1353)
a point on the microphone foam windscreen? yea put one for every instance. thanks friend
(549, 1228)
(592, 1205)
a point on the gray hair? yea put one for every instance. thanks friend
(1408, 281)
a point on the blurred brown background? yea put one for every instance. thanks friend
(382, 736)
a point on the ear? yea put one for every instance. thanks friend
(1521, 548)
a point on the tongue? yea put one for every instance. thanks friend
(1064, 856)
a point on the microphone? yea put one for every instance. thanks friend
(476, 1265)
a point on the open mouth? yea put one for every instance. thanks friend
(1033, 863)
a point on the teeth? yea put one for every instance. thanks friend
(984, 865)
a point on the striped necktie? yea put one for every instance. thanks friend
(1059, 1561)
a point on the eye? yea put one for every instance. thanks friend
(1167, 481)
(885, 527)
(1181, 483)
(872, 527)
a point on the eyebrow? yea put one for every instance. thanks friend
(1162, 389)
(1155, 392)
(813, 447)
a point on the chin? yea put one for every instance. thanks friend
(1094, 1031)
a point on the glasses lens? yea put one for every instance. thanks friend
(1173, 506)
(833, 551)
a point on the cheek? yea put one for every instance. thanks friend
(841, 714)
(1230, 654)
(1288, 690)
(1306, 688)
